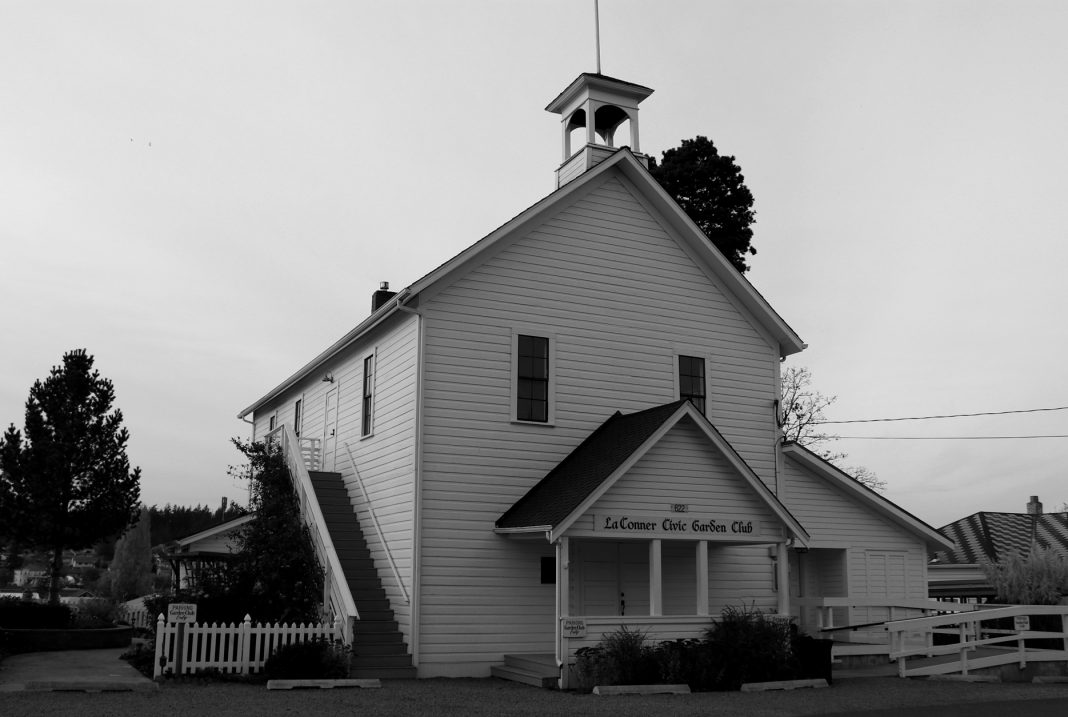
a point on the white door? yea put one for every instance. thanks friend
(330, 430)
(614, 578)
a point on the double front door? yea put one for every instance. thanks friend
(610, 578)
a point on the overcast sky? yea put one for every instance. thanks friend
(205, 194)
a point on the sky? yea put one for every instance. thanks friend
(204, 195)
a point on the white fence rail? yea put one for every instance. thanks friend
(1000, 642)
(238, 648)
(134, 613)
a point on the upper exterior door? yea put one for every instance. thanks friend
(330, 429)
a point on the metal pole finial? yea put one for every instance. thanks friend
(597, 32)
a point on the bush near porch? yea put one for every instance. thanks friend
(743, 646)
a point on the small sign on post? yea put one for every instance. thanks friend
(572, 627)
(1021, 623)
(182, 612)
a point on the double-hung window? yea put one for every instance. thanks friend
(692, 380)
(367, 424)
(532, 379)
(296, 416)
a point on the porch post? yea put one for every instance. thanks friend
(702, 577)
(656, 593)
(782, 577)
(563, 600)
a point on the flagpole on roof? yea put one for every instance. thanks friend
(597, 32)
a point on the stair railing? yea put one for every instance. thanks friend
(378, 528)
(335, 587)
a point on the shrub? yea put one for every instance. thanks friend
(26, 614)
(94, 613)
(312, 660)
(142, 656)
(686, 661)
(1040, 578)
(748, 646)
(622, 657)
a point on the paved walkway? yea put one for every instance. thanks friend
(72, 670)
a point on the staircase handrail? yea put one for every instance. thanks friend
(378, 528)
(337, 586)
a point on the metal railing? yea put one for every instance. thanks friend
(336, 593)
(378, 528)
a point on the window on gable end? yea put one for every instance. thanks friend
(297, 416)
(532, 376)
(692, 380)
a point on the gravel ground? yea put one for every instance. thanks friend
(495, 697)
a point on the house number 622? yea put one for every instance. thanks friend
(679, 507)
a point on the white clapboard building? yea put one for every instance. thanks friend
(571, 426)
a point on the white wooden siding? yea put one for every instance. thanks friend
(617, 293)
(834, 519)
(386, 460)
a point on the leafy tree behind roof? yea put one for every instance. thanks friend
(711, 190)
(66, 482)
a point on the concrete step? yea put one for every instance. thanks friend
(384, 673)
(364, 648)
(374, 627)
(543, 662)
(515, 674)
(360, 662)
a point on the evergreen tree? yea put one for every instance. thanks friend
(131, 570)
(276, 571)
(66, 482)
(711, 190)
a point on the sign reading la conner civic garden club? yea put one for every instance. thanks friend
(679, 526)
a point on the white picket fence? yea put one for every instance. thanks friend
(239, 648)
(134, 613)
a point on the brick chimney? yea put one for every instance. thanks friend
(381, 296)
(1035, 506)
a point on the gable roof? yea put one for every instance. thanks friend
(220, 529)
(992, 535)
(574, 484)
(649, 190)
(865, 495)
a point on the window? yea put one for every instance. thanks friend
(296, 416)
(532, 374)
(271, 422)
(368, 394)
(692, 380)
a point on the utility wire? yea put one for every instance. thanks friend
(945, 438)
(951, 415)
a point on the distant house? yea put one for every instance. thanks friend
(572, 426)
(956, 573)
(201, 559)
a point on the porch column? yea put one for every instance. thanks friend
(656, 594)
(782, 577)
(702, 577)
(563, 604)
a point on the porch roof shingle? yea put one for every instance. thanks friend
(576, 477)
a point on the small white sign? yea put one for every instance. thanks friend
(182, 612)
(1021, 623)
(572, 627)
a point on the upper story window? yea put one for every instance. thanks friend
(367, 424)
(297, 416)
(272, 422)
(532, 373)
(692, 380)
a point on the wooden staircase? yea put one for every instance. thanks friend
(378, 648)
(535, 669)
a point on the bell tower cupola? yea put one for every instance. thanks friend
(592, 109)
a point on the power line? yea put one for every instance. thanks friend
(946, 438)
(950, 415)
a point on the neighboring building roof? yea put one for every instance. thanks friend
(862, 493)
(678, 223)
(220, 529)
(565, 493)
(990, 536)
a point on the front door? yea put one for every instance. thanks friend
(330, 430)
(613, 578)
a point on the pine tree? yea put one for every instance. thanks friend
(66, 482)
